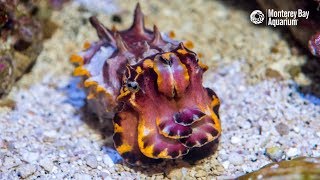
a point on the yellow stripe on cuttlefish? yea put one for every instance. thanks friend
(81, 71)
(75, 58)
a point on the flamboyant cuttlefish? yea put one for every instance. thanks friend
(151, 86)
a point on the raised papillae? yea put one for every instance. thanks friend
(151, 86)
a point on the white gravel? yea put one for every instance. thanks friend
(44, 135)
(275, 112)
(91, 161)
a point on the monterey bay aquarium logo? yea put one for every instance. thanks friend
(278, 17)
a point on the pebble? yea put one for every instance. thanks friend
(8, 162)
(201, 173)
(107, 161)
(272, 73)
(82, 176)
(50, 134)
(225, 164)
(296, 129)
(246, 168)
(235, 158)
(26, 170)
(293, 152)
(19, 145)
(55, 169)
(79, 162)
(282, 129)
(47, 164)
(62, 155)
(223, 155)
(30, 157)
(91, 161)
(175, 174)
(105, 175)
(235, 140)
(184, 171)
(245, 125)
(99, 158)
(274, 153)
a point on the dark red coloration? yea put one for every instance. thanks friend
(154, 85)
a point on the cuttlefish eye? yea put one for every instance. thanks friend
(133, 86)
(166, 61)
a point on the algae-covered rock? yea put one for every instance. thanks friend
(6, 74)
(21, 36)
(299, 168)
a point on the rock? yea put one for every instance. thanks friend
(225, 164)
(201, 173)
(50, 134)
(282, 129)
(91, 161)
(47, 164)
(179, 171)
(105, 174)
(294, 71)
(9, 162)
(235, 140)
(7, 102)
(21, 39)
(246, 168)
(6, 74)
(175, 174)
(30, 157)
(299, 168)
(107, 161)
(235, 159)
(99, 158)
(275, 153)
(26, 170)
(82, 176)
(245, 125)
(62, 155)
(293, 152)
(272, 73)
(223, 155)
(296, 129)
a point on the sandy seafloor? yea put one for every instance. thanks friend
(43, 133)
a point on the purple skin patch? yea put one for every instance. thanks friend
(169, 128)
(152, 86)
(203, 131)
(188, 116)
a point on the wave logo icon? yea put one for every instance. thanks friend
(256, 17)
